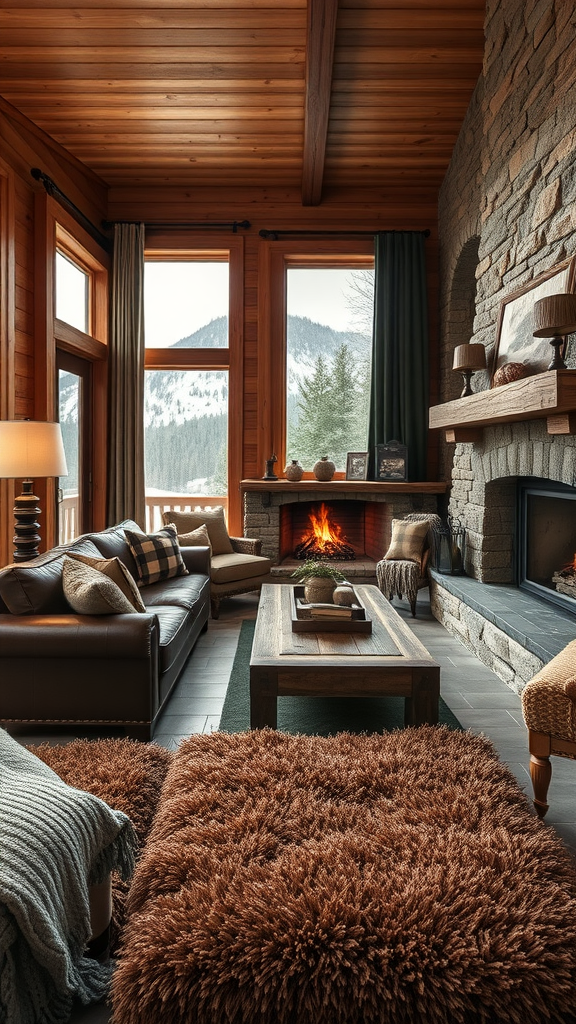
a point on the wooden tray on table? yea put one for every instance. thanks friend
(304, 622)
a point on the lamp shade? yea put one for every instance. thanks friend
(31, 448)
(469, 357)
(555, 315)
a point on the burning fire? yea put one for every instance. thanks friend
(324, 538)
(570, 567)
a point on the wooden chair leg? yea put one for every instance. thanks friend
(540, 773)
(214, 607)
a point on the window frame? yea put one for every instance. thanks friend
(276, 259)
(55, 228)
(161, 246)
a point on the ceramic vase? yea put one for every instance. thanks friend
(324, 469)
(319, 590)
(294, 470)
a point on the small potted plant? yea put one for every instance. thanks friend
(320, 579)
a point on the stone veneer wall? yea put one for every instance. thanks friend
(507, 212)
(262, 510)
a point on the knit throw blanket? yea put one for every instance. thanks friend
(54, 842)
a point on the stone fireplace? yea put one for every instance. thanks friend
(278, 513)
(505, 622)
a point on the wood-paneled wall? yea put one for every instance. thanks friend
(24, 147)
(23, 384)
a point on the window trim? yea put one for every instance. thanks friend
(275, 259)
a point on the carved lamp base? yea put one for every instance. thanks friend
(26, 511)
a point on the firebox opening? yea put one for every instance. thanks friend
(547, 541)
(323, 537)
(354, 532)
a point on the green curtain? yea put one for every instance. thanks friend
(126, 378)
(399, 388)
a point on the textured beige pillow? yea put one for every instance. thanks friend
(195, 539)
(89, 592)
(212, 518)
(407, 543)
(115, 569)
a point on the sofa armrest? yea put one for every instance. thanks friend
(78, 636)
(196, 559)
(246, 546)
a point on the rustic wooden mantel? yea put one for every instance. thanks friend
(551, 395)
(347, 486)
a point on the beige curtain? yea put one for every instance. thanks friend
(126, 378)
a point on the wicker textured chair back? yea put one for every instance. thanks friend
(404, 578)
(549, 710)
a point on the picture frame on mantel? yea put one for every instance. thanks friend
(515, 342)
(391, 461)
(357, 466)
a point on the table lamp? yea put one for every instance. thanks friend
(554, 318)
(468, 359)
(29, 448)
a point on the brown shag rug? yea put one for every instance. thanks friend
(347, 880)
(127, 774)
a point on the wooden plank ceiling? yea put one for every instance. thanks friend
(333, 93)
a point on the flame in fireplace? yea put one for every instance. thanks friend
(324, 538)
(571, 566)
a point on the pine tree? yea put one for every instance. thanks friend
(331, 411)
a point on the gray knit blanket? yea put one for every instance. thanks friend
(54, 842)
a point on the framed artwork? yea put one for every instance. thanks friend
(515, 342)
(391, 461)
(357, 466)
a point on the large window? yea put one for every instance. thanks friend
(80, 336)
(186, 302)
(186, 433)
(329, 312)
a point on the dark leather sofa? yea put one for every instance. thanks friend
(58, 667)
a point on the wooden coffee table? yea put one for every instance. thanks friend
(390, 661)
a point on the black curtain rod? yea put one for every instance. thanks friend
(232, 225)
(56, 193)
(273, 235)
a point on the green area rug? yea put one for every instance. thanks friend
(313, 716)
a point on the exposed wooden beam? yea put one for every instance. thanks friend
(320, 37)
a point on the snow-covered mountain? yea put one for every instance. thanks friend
(178, 395)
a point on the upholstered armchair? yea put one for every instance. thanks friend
(236, 563)
(404, 569)
(549, 710)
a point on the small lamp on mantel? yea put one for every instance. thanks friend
(468, 359)
(555, 318)
(29, 448)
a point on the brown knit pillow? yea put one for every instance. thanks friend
(212, 518)
(196, 538)
(407, 543)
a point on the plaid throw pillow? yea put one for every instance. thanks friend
(157, 555)
(407, 543)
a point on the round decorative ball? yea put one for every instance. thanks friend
(343, 595)
(507, 373)
(293, 470)
(324, 469)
